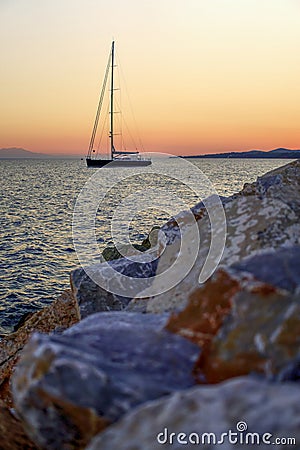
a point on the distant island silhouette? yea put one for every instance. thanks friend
(21, 153)
(280, 153)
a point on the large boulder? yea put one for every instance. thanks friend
(67, 388)
(263, 216)
(247, 319)
(57, 317)
(90, 297)
(280, 268)
(261, 334)
(93, 298)
(237, 414)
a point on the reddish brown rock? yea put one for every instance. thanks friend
(5, 393)
(58, 316)
(242, 325)
(13, 436)
(261, 334)
(206, 309)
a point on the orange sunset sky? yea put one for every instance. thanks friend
(203, 76)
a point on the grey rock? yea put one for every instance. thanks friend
(282, 183)
(100, 368)
(93, 298)
(280, 268)
(137, 305)
(269, 410)
(291, 372)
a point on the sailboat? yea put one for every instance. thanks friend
(117, 158)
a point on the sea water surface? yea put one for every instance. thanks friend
(37, 199)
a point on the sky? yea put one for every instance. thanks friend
(204, 76)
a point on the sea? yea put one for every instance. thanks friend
(37, 204)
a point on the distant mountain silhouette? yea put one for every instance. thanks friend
(280, 153)
(14, 152)
(21, 153)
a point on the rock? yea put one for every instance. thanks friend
(256, 412)
(92, 298)
(151, 240)
(263, 216)
(291, 372)
(280, 268)
(58, 316)
(261, 334)
(281, 183)
(137, 305)
(13, 436)
(5, 392)
(67, 387)
(111, 252)
(207, 308)
(243, 324)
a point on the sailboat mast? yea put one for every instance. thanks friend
(103, 91)
(112, 100)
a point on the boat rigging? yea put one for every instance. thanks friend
(117, 158)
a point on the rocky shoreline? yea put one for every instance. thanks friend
(97, 370)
